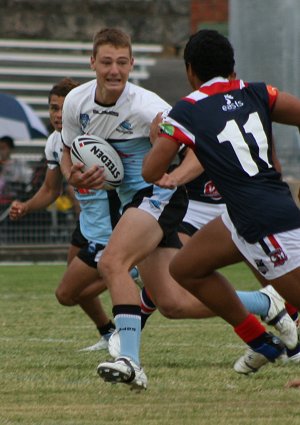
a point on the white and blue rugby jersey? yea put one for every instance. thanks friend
(97, 214)
(95, 211)
(229, 126)
(53, 150)
(125, 125)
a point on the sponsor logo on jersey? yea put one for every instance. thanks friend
(211, 191)
(231, 103)
(84, 120)
(154, 204)
(125, 128)
(261, 266)
(92, 247)
(106, 112)
(56, 155)
(83, 191)
(278, 257)
(272, 248)
(167, 129)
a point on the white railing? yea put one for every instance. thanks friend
(29, 68)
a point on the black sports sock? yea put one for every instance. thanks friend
(106, 329)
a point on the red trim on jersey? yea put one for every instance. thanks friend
(221, 87)
(186, 141)
(273, 94)
(188, 99)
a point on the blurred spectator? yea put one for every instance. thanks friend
(15, 174)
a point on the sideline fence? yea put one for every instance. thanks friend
(51, 227)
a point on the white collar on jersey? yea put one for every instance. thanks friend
(215, 80)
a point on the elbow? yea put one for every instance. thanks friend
(147, 177)
(52, 195)
(56, 195)
(151, 170)
(150, 175)
(147, 172)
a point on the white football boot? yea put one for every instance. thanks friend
(102, 344)
(279, 318)
(252, 360)
(114, 345)
(293, 355)
(123, 370)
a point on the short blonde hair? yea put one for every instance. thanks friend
(113, 36)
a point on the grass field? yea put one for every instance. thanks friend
(45, 380)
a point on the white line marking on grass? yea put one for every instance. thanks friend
(27, 296)
(51, 340)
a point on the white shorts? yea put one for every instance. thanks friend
(200, 213)
(273, 256)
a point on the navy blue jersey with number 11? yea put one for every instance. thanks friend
(228, 124)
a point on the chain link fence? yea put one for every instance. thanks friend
(41, 232)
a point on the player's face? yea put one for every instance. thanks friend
(112, 66)
(4, 151)
(55, 111)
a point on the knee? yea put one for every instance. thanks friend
(107, 266)
(169, 310)
(169, 306)
(184, 273)
(64, 298)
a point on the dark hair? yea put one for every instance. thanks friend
(8, 140)
(210, 55)
(62, 88)
(114, 36)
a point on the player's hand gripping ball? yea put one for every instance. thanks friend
(92, 150)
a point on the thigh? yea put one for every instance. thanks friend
(134, 237)
(72, 252)
(209, 249)
(171, 299)
(154, 271)
(78, 242)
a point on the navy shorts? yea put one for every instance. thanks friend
(77, 238)
(91, 253)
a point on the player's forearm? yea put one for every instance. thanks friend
(66, 164)
(44, 197)
(157, 160)
(188, 170)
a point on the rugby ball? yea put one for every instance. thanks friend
(92, 150)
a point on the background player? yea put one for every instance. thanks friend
(50, 191)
